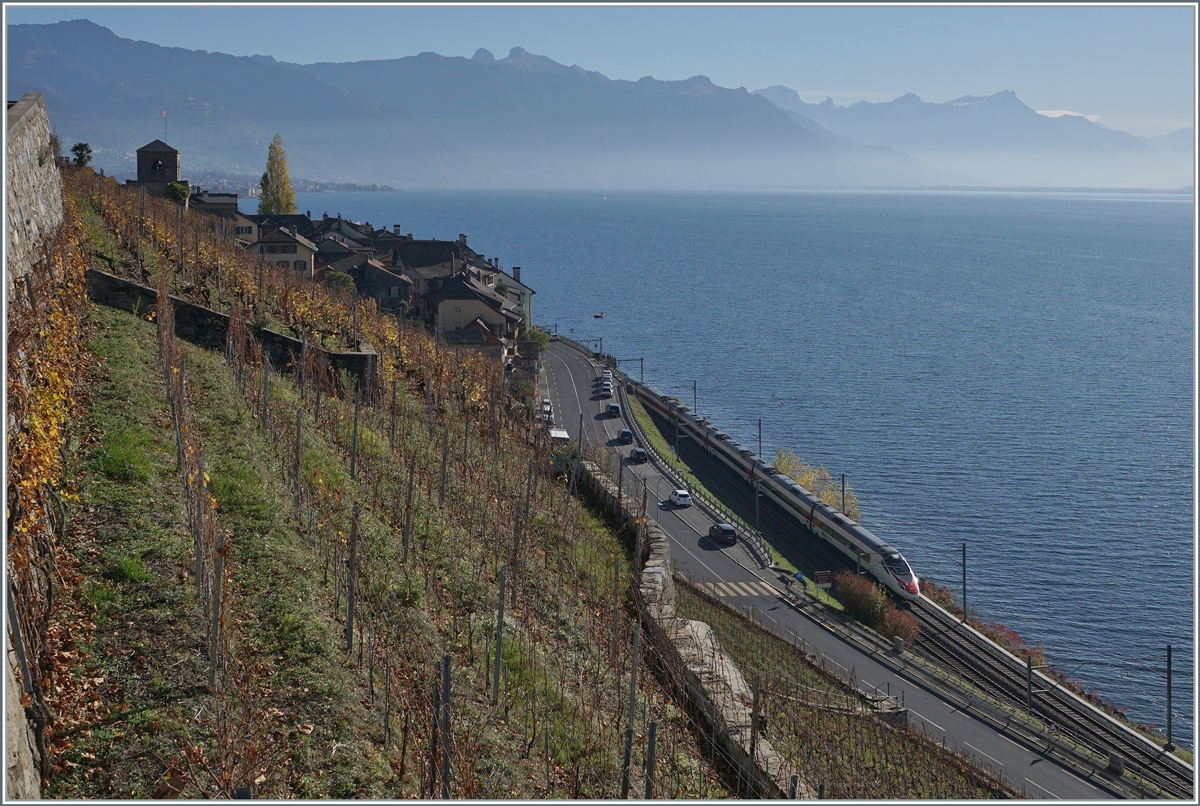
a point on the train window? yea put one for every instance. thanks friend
(895, 563)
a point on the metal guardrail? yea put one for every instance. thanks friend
(718, 511)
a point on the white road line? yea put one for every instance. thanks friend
(1044, 789)
(1010, 741)
(980, 752)
(927, 719)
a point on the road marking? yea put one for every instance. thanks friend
(724, 590)
(769, 589)
(1010, 741)
(980, 752)
(927, 719)
(1044, 789)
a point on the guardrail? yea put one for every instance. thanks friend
(718, 511)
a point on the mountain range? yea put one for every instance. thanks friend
(527, 121)
(1000, 140)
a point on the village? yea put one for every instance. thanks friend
(462, 296)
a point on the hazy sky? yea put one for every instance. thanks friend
(1130, 68)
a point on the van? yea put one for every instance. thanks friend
(614, 409)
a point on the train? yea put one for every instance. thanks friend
(867, 550)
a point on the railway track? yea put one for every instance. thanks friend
(963, 652)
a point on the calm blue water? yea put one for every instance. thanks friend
(1013, 371)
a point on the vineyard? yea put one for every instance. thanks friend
(308, 583)
(299, 574)
(820, 724)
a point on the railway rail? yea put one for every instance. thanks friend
(967, 654)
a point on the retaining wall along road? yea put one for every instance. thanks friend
(694, 658)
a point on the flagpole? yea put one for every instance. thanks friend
(164, 116)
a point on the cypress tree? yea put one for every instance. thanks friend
(277, 196)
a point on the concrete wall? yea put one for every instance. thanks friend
(694, 656)
(208, 328)
(34, 191)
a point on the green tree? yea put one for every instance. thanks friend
(178, 192)
(339, 280)
(277, 197)
(83, 154)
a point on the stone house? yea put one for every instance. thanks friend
(390, 288)
(476, 335)
(285, 247)
(459, 300)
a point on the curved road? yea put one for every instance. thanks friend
(726, 572)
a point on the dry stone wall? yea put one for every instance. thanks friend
(34, 188)
(696, 660)
(34, 211)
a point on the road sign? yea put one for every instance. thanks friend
(824, 579)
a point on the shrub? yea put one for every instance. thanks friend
(869, 603)
(339, 280)
(178, 192)
(862, 598)
(897, 622)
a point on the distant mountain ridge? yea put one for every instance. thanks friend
(527, 121)
(427, 120)
(996, 138)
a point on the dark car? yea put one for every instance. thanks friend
(722, 534)
(625, 437)
(638, 456)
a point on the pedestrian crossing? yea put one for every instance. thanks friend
(727, 589)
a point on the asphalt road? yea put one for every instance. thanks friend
(727, 572)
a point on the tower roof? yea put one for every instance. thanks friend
(157, 146)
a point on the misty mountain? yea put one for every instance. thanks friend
(1179, 141)
(527, 110)
(995, 139)
(428, 120)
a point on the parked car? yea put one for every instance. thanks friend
(605, 391)
(614, 409)
(681, 498)
(638, 456)
(722, 534)
(625, 437)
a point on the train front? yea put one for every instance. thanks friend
(904, 581)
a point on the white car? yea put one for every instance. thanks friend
(680, 498)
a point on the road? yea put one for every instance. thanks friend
(727, 572)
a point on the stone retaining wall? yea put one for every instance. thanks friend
(33, 194)
(34, 211)
(208, 328)
(694, 656)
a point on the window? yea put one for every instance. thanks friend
(457, 309)
(291, 249)
(393, 291)
(300, 265)
(283, 263)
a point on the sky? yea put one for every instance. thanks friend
(1127, 67)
